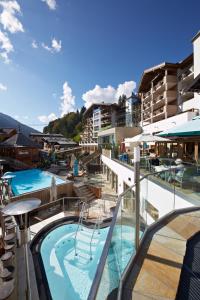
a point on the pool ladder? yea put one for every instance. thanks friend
(80, 224)
(96, 227)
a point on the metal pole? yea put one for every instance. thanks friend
(137, 194)
(28, 291)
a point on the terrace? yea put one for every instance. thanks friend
(117, 248)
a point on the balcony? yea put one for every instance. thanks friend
(146, 116)
(187, 75)
(147, 96)
(159, 114)
(165, 97)
(186, 95)
(166, 83)
(146, 107)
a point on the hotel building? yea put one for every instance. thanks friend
(165, 99)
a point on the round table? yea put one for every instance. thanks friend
(8, 176)
(19, 209)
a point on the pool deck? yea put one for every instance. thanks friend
(97, 207)
(156, 271)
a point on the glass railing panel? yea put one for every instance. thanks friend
(112, 269)
(127, 228)
(121, 248)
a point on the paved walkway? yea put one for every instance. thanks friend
(157, 269)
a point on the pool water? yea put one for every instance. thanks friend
(121, 250)
(70, 277)
(31, 180)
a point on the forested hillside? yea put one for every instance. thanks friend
(70, 125)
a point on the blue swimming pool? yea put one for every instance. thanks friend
(31, 180)
(73, 275)
(69, 276)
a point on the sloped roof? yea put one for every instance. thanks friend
(46, 134)
(150, 73)
(60, 141)
(19, 140)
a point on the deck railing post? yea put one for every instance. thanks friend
(63, 200)
(137, 194)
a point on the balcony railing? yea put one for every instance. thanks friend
(119, 250)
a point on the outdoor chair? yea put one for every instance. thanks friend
(143, 163)
(185, 177)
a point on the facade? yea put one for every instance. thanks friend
(158, 91)
(167, 99)
(58, 143)
(96, 118)
(21, 148)
(102, 122)
(116, 135)
(38, 137)
(6, 133)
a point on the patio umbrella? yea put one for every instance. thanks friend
(146, 137)
(53, 190)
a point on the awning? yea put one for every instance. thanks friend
(190, 128)
(195, 85)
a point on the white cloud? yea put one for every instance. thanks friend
(8, 18)
(5, 46)
(55, 46)
(34, 44)
(3, 87)
(108, 94)
(68, 100)
(47, 119)
(67, 105)
(51, 4)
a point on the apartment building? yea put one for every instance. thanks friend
(166, 98)
(107, 121)
(127, 122)
(158, 91)
(96, 118)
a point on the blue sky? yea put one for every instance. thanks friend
(56, 55)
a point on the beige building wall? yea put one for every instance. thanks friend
(120, 133)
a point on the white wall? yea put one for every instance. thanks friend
(162, 199)
(124, 174)
(169, 123)
(196, 51)
(191, 104)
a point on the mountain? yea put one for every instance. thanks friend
(8, 122)
(70, 125)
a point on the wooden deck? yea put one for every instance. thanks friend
(157, 268)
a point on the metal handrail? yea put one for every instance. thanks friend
(96, 226)
(102, 261)
(80, 223)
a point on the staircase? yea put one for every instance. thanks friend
(81, 190)
(87, 159)
(84, 242)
